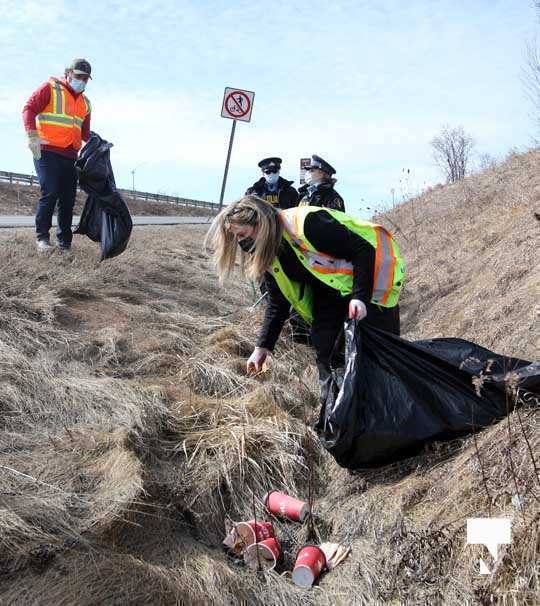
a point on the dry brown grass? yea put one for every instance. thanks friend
(130, 434)
(473, 258)
(124, 402)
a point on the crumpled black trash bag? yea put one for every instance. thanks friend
(105, 217)
(94, 166)
(394, 396)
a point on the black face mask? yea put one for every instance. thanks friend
(247, 244)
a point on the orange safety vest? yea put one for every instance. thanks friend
(60, 123)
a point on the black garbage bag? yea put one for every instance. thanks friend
(94, 166)
(105, 217)
(394, 396)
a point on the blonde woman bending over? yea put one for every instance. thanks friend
(324, 263)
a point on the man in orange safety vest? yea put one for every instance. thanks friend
(57, 119)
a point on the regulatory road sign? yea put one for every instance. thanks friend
(237, 104)
(304, 163)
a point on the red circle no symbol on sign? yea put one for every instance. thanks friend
(237, 104)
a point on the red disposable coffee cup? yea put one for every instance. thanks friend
(282, 505)
(247, 531)
(268, 554)
(309, 564)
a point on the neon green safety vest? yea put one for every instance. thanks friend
(338, 273)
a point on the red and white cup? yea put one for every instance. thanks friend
(264, 554)
(284, 506)
(251, 532)
(310, 562)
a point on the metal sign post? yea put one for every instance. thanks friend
(227, 162)
(237, 105)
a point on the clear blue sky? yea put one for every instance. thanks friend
(365, 84)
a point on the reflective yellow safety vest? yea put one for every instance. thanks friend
(338, 273)
(60, 123)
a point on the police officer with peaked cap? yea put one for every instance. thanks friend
(319, 188)
(272, 187)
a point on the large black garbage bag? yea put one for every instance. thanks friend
(394, 396)
(94, 166)
(105, 217)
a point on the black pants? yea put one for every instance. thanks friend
(58, 183)
(326, 331)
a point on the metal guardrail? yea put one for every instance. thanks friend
(32, 180)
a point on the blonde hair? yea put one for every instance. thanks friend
(250, 210)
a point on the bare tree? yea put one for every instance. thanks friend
(452, 149)
(532, 80)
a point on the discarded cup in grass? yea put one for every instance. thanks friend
(281, 504)
(233, 543)
(267, 556)
(309, 564)
(247, 531)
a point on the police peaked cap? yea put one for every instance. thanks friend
(318, 162)
(266, 163)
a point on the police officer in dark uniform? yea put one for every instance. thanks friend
(273, 188)
(319, 188)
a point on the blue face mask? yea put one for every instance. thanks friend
(271, 178)
(77, 85)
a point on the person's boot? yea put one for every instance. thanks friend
(44, 246)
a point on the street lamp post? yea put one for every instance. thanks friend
(133, 177)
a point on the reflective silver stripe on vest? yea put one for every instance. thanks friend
(383, 279)
(315, 260)
(45, 117)
(318, 262)
(289, 226)
(78, 120)
(59, 105)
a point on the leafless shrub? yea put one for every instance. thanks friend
(485, 161)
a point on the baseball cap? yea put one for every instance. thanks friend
(81, 67)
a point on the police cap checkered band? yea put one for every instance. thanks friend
(317, 162)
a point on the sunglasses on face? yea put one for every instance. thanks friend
(270, 171)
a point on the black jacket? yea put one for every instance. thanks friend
(328, 236)
(286, 196)
(325, 195)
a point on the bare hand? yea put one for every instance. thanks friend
(357, 309)
(257, 359)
